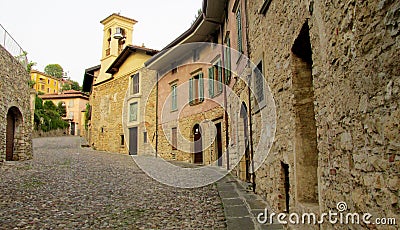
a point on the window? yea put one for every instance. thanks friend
(144, 137)
(133, 111)
(48, 81)
(239, 30)
(265, 6)
(42, 87)
(174, 138)
(55, 83)
(174, 70)
(122, 139)
(71, 104)
(259, 83)
(48, 90)
(135, 83)
(215, 80)
(71, 115)
(196, 89)
(228, 64)
(174, 99)
(196, 55)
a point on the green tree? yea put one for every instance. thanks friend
(75, 85)
(62, 109)
(47, 116)
(54, 70)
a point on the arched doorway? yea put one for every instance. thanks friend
(198, 145)
(245, 161)
(14, 119)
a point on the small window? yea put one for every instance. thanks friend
(174, 138)
(174, 98)
(196, 55)
(122, 139)
(71, 115)
(102, 130)
(71, 104)
(48, 81)
(144, 137)
(196, 89)
(133, 111)
(42, 87)
(259, 83)
(48, 90)
(135, 83)
(174, 70)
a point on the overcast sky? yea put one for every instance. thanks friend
(69, 32)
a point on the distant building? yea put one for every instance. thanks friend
(108, 83)
(45, 83)
(74, 102)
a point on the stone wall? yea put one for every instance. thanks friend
(107, 101)
(15, 94)
(333, 69)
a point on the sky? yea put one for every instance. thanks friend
(69, 33)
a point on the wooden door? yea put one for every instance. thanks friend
(198, 145)
(133, 141)
(10, 136)
(219, 143)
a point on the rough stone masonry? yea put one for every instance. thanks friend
(334, 70)
(14, 105)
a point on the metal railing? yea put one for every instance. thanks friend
(12, 46)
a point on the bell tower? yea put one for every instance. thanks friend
(117, 33)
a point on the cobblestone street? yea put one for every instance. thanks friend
(66, 186)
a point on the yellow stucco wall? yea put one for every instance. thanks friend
(45, 83)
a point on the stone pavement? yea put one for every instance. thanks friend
(69, 187)
(241, 205)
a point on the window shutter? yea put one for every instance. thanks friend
(228, 62)
(239, 30)
(174, 98)
(219, 77)
(201, 86)
(190, 90)
(211, 82)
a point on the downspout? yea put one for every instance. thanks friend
(157, 76)
(225, 99)
(249, 100)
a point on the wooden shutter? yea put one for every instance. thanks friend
(211, 82)
(201, 85)
(239, 30)
(219, 77)
(190, 90)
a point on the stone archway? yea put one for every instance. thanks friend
(13, 131)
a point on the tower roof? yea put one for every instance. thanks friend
(114, 15)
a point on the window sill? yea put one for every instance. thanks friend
(196, 102)
(136, 95)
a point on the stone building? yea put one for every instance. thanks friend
(74, 103)
(333, 71)
(15, 110)
(190, 93)
(109, 84)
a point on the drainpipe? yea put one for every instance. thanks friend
(157, 76)
(249, 99)
(225, 98)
